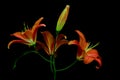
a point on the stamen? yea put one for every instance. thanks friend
(95, 45)
(91, 47)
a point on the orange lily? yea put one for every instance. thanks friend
(51, 44)
(86, 52)
(28, 37)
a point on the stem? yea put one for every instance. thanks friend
(14, 66)
(54, 68)
(57, 32)
(43, 57)
(51, 67)
(67, 66)
(52, 59)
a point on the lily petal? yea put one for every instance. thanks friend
(88, 59)
(16, 41)
(73, 42)
(60, 37)
(82, 42)
(99, 62)
(34, 32)
(80, 53)
(19, 35)
(60, 40)
(49, 40)
(60, 43)
(28, 35)
(43, 46)
(36, 26)
(92, 55)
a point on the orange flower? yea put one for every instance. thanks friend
(28, 37)
(85, 51)
(51, 44)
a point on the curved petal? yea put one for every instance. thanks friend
(92, 55)
(60, 43)
(42, 46)
(16, 41)
(19, 35)
(34, 31)
(60, 40)
(88, 59)
(98, 59)
(73, 42)
(37, 23)
(49, 40)
(82, 42)
(60, 37)
(80, 53)
(28, 35)
(36, 26)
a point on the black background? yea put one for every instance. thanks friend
(96, 19)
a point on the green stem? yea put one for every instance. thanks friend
(54, 68)
(14, 66)
(57, 32)
(67, 66)
(43, 57)
(51, 59)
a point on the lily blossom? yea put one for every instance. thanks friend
(29, 36)
(51, 44)
(86, 52)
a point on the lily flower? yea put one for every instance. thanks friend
(51, 44)
(86, 52)
(29, 36)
